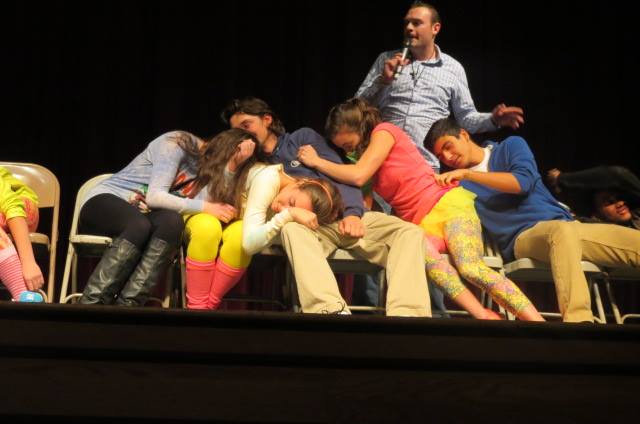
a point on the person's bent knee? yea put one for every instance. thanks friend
(138, 231)
(205, 234)
(470, 271)
(562, 231)
(171, 228)
(204, 229)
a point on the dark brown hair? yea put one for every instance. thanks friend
(441, 128)
(252, 106)
(435, 16)
(353, 115)
(326, 201)
(187, 142)
(213, 160)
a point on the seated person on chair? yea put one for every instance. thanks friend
(523, 217)
(140, 207)
(608, 194)
(407, 183)
(384, 240)
(261, 200)
(18, 216)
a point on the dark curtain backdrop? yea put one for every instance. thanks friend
(86, 85)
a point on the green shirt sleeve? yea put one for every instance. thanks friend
(367, 188)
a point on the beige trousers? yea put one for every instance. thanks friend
(563, 244)
(388, 241)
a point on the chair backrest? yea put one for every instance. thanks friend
(38, 178)
(47, 187)
(82, 193)
(70, 266)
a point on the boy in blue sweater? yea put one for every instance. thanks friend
(381, 239)
(522, 216)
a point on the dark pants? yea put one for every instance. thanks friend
(110, 216)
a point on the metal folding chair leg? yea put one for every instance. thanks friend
(623, 273)
(612, 301)
(601, 318)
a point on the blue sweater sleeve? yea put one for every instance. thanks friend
(521, 163)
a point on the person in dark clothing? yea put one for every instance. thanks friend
(601, 194)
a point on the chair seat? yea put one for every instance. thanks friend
(39, 238)
(89, 239)
(531, 270)
(343, 261)
(527, 269)
(88, 245)
(493, 262)
(343, 255)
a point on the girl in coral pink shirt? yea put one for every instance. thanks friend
(447, 214)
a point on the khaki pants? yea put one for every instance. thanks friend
(388, 241)
(564, 244)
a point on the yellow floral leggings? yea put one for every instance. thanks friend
(454, 219)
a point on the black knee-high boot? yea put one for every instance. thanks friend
(112, 271)
(154, 261)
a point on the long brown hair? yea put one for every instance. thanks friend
(326, 200)
(213, 160)
(353, 115)
(187, 142)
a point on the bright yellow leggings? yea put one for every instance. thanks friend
(207, 236)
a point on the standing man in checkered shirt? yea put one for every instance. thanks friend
(430, 86)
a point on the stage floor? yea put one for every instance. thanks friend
(104, 364)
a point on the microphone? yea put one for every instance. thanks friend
(405, 53)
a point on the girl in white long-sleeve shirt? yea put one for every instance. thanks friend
(219, 252)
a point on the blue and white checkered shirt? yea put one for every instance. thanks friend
(424, 92)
